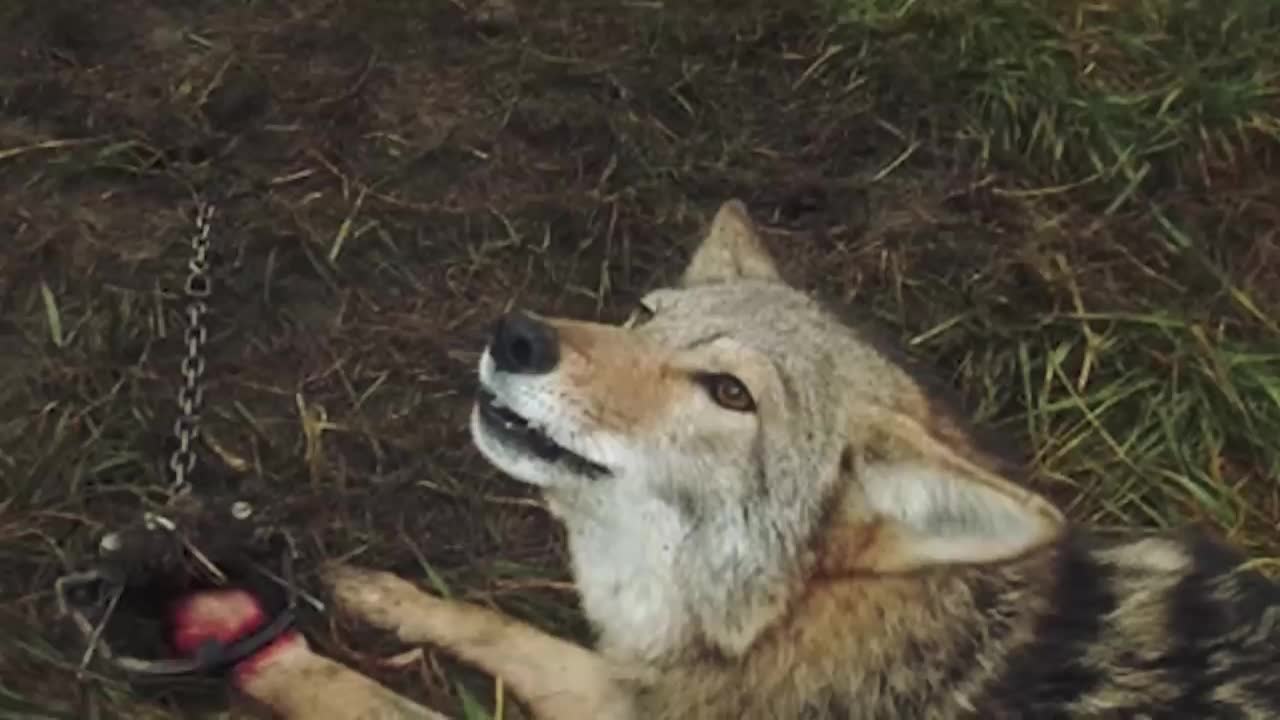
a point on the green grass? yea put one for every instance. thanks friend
(1127, 96)
(1069, 209)
(1140, 141)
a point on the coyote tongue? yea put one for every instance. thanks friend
(286, 675)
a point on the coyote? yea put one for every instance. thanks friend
(771, 516)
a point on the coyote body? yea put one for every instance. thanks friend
(1151, 629)
(770, 516)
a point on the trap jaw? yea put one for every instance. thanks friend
(211, 657)
(155, 565)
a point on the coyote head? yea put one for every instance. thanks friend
(712, 459)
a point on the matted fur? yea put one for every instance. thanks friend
(845, 549)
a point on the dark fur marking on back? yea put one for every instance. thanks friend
(1052, 671)
(1206, 621)
(1196, 623)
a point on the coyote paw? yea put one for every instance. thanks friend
(376, 597)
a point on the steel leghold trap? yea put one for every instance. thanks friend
(122, 605)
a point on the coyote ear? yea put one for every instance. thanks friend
(731, 251)
(935, 507)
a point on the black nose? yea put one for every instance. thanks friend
(524, 344)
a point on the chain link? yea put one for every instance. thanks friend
(191, 394)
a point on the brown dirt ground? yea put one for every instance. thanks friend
(389, 176)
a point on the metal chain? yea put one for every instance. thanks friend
(191, 394)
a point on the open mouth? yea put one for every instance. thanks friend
(518, 433)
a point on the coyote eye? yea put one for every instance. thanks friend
(729, 392)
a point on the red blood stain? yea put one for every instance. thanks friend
(226, 616)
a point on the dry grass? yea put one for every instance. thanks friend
(1069, 208)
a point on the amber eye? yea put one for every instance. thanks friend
(729, 392)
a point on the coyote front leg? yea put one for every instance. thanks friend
(557, 679)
